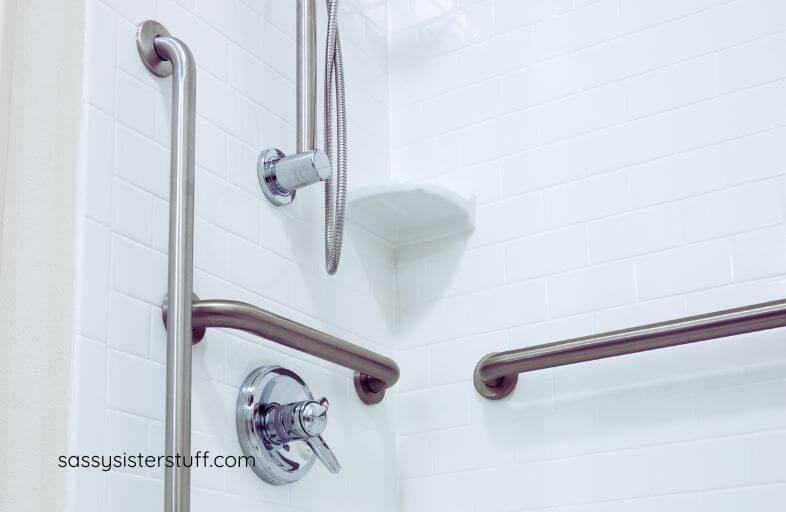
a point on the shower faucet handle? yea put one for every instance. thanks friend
(301, 421)
(324, 453)
(279, 175)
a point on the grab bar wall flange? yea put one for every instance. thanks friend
(165, 55)
(374, 373)
(496, 374)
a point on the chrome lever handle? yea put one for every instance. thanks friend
(301, 421)
(324, 453)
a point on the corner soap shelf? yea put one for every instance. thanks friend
(402, 213)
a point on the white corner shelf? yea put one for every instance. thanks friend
(402, 213)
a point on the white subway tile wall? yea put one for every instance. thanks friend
(244, 249)
(630, 166)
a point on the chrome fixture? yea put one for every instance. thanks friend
(280, 176)
(496, 374)
(374, 373)
(280, 424)
(165, 55)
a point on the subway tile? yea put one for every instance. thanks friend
(634, 233)
(141, 161)
(500, 54)
(590, 111)
(135, 104)
(256, 269)
(509, 306)
(636, 16)
(766, 451)
(135, 385)
(138, 271)
(210, 253)
(542, 167)
(756, 157)
(539, 83)
(736, 295)
(510, 218)
(415, 455)
(758, 254)
(211, 147)
(545, 254)
(452, 491)
(752, 64)
(577, 29)
(714, 215)
(455, 360)
(684, 269)
(226, 205)
(587, 199)
(672, 87)
(476, 270)
(724, 118)
(741, 409)
(631, 143)
(763, 499)
(510, 14)
(129, 324)
(598, 287)
(679, 176)
(126, 493)
(132, 210)
(639, 418)
(415, 411)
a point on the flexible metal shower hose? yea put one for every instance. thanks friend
(334, 208)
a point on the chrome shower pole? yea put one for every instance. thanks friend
(164, 55)
(306, 75)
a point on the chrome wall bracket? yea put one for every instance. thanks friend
(280, 176)
(280, 424)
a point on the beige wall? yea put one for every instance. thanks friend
(36, 250)
(7, 14)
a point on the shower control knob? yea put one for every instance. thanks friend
(280, 424)
(300, 421)
(279, 175)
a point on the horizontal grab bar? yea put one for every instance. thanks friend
(496, 374)
(374, 373)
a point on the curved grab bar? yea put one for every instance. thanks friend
(374, 372)
(496, 374)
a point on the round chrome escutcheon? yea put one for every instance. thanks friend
(265, 386)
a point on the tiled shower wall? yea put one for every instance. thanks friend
(244, 249)
(628, 159)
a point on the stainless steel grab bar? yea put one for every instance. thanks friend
(374, 373)
(496, 374)
(164, 55)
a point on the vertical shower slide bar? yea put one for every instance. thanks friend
(165, 55)
(306, 75)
